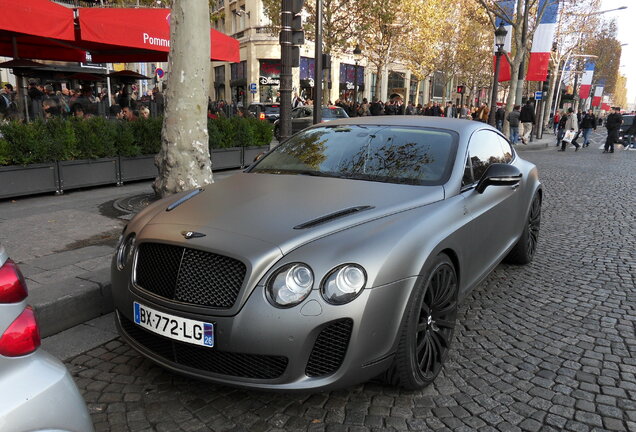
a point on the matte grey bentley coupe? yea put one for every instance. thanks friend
(339, 256)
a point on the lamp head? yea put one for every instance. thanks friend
(500, 36)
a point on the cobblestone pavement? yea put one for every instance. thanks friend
(546, 347)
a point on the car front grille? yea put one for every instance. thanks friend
(330, 348)
(189, 275)
(207, 359)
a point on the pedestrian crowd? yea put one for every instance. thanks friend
(43, 101)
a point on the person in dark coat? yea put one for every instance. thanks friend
(613, 123)
(588, 122)
(527, 119)
(500, 114)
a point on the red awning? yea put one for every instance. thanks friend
(132, 35)
(40, 29)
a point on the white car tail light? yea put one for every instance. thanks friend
(22, 337)
(12, 285)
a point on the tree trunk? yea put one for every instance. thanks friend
(378, 81)
(184, 159)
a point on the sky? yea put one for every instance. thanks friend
(625, 20)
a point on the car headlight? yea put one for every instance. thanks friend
(343, 284)
(125, 251)
(290, 285)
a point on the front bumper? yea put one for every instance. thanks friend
(312, 346)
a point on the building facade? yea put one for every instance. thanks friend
(257, 77)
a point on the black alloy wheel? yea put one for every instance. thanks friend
(523, 252)
(534, 224)
(429, 327)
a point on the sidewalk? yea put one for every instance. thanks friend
(64, 245)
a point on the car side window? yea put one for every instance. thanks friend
(484, 150)
(467, 179)
(296, 112)
(507, 149)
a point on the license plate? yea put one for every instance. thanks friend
(174, 327)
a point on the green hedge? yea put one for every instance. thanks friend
(69, 139)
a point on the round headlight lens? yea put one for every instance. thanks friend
(125, 251)
(344, 284)
(291, 284)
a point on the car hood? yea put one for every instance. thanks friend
(272, 208)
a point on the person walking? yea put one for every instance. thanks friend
(500, 115)
(588, 122)
(555, 121)
(571, 124)
(563, 118)
(527, 121)
(513, 120)
(613, 123)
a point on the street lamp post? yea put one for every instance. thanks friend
(357, 54)
(500, 40)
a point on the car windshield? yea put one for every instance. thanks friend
(389, 154)
(272, 109)
(334, 112)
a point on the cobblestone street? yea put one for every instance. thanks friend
(546, 347)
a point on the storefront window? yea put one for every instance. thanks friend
(269, 80)
(348, 80)
(219, 82)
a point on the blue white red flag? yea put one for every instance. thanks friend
(586, 80)
(543, 40)
(508, 9)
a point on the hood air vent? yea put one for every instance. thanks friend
(332, 216)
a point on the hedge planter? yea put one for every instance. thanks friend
(250, 153)
(17, 180)
(137, 168)
(89, 172)
(226, 158)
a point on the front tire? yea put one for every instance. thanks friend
(428, 328)
(523, 252)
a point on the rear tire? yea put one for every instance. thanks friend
(428, 327)
(523, 252)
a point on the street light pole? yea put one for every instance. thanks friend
(500, 40)
(357, 52)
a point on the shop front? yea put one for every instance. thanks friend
(348, 82)
(238, 83)
(269, 80)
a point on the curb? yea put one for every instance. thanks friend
(65, 304)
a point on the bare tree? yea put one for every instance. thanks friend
(184, 159)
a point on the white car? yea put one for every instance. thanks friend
(36, 390)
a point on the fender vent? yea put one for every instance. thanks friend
(332, 216)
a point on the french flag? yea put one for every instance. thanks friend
(508, 8)
(598, 95)
(543, 40)
(586, 80)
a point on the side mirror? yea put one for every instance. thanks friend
(499, 175)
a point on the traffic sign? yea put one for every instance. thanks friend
(538, 95)
(252, 87)
(159, 72)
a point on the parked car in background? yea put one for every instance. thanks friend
(339, 256)
(628, 121)
(303, 117)
(36, 390)
(265, 111)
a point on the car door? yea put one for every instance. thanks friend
(491, 229)
(296, 116)
(304, 119)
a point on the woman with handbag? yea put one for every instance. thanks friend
(571, 131)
